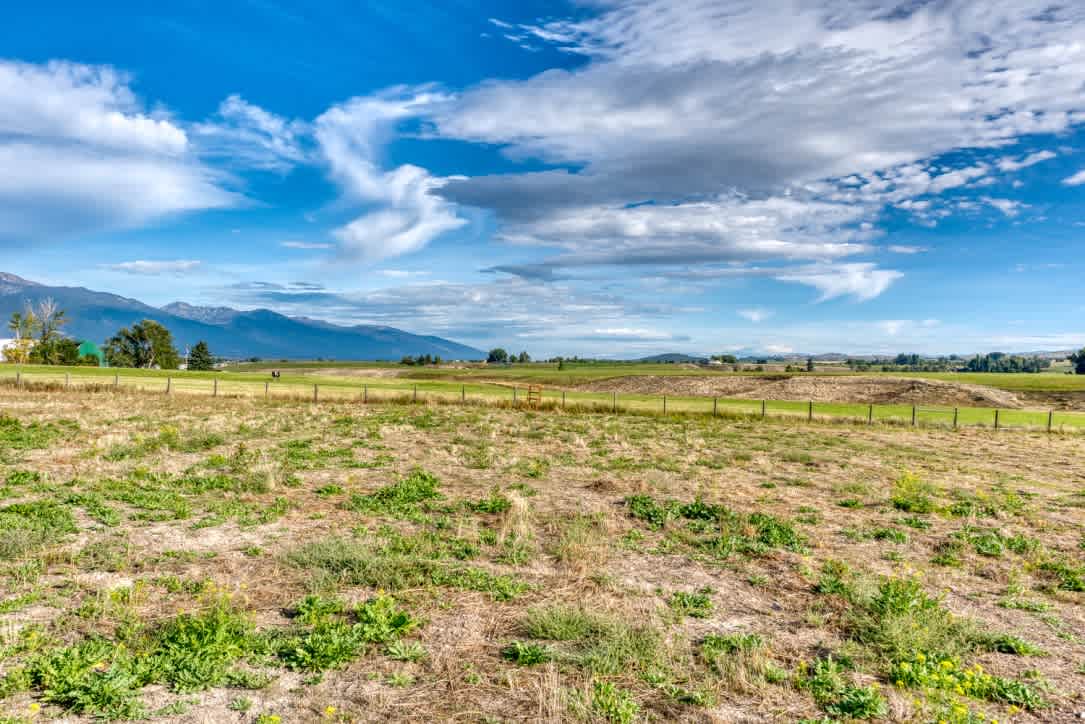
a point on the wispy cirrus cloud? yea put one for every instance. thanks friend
(156, 268)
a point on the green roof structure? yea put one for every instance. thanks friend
(93, 350)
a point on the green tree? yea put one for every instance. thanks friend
(200, 359)
(523, 358)
(42, 323)
(147, 344)
(1077, 359)
(809, 364)
(498, 356)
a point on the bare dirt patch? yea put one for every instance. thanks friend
(368, 372)
(877, 390)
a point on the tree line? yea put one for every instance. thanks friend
(40, 339)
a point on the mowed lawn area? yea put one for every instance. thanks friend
(186, 558)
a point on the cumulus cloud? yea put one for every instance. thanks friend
(156, 268)
(406, 213)
(80, 155)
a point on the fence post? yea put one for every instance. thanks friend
(810, 414)
(614, 407)
(18, 378)
(954, 418)
(763, 406)
(913, 415)
(664, 404)
(267, 390)
(215, 389)
(415, 394)
(169, 384)
(563, 399)
(463, 393)
(514, 394)
(715, 404)
(116, 381)
(1050, 419)
(314, 393)
(67, 380)
(996, 418)
(365, 394)
(870, 415)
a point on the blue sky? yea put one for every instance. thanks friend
(599, 177)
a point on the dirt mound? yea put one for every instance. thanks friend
(878, 390)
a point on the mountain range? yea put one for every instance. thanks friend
(231, 333)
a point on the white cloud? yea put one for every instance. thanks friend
(156, 268)
(1076, 180)
(820, 101)
(862, 280)
(252, 136)
(755, 314)
(402, 273)
(1008, 207)
(306, 245)
(632, 334)
(80, 155)
(1011, 164)
(408, 214)
(905, 249)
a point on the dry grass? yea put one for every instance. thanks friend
(532, 516)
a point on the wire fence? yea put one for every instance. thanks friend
(554, 399)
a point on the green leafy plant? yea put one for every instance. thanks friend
(526, 654)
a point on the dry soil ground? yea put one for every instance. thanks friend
(491, 565)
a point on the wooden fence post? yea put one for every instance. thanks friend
(1050, 419)
(215, 388)
(116, 381)
(715, 405)
(563, 399)
(169, 384)
(463, 393)
(870, 415)
(315, 393)
(365, 394)
(996, 418)
(810, 414)
(913, 415)
(664, 404)
(614, 407)
(67, 380)
(954, 418)
(763, 409)
(267, 390)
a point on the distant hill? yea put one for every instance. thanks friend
(672, 357)
(232, 333)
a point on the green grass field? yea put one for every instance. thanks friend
(422, 387)
(576, 373)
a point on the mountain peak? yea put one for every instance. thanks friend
(207, 315)
(10, 283)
